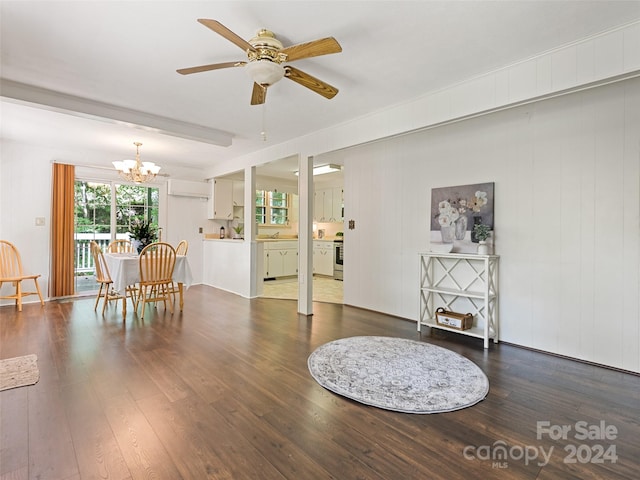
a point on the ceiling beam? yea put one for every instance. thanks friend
(91, 109)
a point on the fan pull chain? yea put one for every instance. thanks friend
(263, 133)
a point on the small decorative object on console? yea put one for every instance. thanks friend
(459, 321)
(482, 233)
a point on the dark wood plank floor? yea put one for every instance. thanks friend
(222, 391)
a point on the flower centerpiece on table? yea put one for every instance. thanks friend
(142, 233)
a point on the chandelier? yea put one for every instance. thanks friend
(135, 170)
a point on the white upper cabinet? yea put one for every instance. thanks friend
(328, 205)
(337, 204)
(238, 194)
(221, 200)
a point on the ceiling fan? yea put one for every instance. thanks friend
(265, 60)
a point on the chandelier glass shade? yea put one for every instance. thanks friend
(136, 171)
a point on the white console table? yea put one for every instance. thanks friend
(464, 283)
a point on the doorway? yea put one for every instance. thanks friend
(328, 225)
(103, 213)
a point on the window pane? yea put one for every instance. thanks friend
(279, 216)
(260, 215)
(278, 199)
(135, 203)
(92, 207)
(272, 208)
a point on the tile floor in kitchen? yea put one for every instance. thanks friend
(325, 289)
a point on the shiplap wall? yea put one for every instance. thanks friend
(567, 213)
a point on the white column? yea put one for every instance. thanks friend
(305, 235)
(255, 280)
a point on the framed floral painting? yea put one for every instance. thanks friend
(454, 212)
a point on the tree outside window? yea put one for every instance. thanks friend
(132, 202)
(272, 208)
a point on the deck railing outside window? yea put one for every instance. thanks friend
(84, 261)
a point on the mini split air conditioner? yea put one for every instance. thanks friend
(186, 188)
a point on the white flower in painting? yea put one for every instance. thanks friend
(480, 201)
(448, 214)
(444, 207)
(444, 220)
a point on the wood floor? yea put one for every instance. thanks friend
(222, 391)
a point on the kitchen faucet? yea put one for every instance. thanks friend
(275, 235)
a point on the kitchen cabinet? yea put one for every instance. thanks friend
(221, 200)
(337, 203)
(463, 283)
(280, 259)
(328, 205)
(238, 194)
(318, 206)
(294, 208)
(323, 257)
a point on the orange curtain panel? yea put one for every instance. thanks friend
(62, 228)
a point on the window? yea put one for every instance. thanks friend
(99, 206)
(134, 202)
(272, 208)
(104, 212)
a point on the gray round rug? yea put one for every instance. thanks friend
(398, 374)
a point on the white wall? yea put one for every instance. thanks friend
(25, 193)
(567, 214)
(184, 216)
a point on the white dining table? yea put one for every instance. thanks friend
(125, 270)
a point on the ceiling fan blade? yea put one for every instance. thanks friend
(324, 46)
(213, 66)
(310, 82)
(259, 94)
(226, 33)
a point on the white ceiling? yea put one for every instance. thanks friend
(125, 53)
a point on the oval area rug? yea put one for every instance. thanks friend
(398, 374)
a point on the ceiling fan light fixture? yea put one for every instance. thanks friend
(265, 72)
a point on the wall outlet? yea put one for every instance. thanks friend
(40, 222)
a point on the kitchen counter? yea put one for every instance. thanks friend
(279, 239)
(214, 239)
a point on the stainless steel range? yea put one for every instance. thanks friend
(338, 247)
